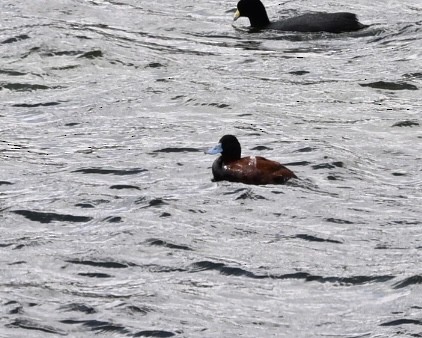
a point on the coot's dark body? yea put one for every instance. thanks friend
(313, 22)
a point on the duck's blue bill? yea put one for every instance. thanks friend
(215, 150)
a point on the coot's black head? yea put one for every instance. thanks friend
(229, 147)
(254, 10)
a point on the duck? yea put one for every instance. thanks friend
(338, 22)
(257, 170)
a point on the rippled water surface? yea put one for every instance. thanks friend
(110, 223)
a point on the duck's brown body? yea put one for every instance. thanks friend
(249, 170)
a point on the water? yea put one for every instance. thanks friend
(110, 222)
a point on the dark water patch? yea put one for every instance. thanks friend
(140, 200)
(143, 310)
(248, 45)
(159, 242)
(382, 247)
(32, 50)
(31, 325)
(299, 72)
(32, 105)
(18, 263)
(390, 85)
(235, 271)
(48, 217)
(323, 166)
(398, 174)
(5, 183)
(161, 268)
(154, 333)
(402, 322)
(99, 326)
(113, 219)
(64, 53)
(156, 202)
(299, 163)
(168, 79)
(331, 165)
(119, 172)
(92, 203)
(304, 150)
(234, 192)
(11, 72)
(250, 195)
(408, 281)
(338, 220)
(197, 211)
(405, 222)
(95, 275)
(22, 87)
(124, 186)
(222, 268)
(78, 307)
(315, 239)
(260, 148)
(126, 64)
(177, 150)
(15, 146)
(16, 310)
(407, 123)
(16, 38)
(416, 75)
(354, 280)
(416, 335)
(5, 245)
(154, 65)
(65, 67)
(216, 104)
(102, 264)
(15, 307)
(84, 205)
(92, 54)
(338, 164)
(175, 50)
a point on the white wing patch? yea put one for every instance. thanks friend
(252, 161)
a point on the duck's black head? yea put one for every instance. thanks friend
(229, 147)
(254, 10)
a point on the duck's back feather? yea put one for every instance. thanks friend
(319, 22)
(252, 170)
